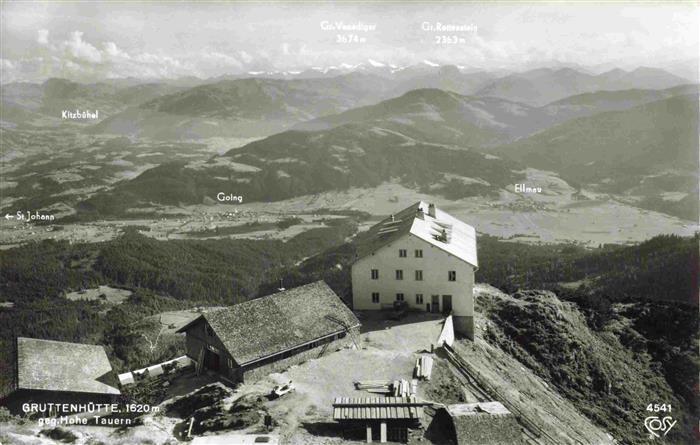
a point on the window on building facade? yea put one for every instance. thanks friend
(419, 298)
(399, 274)
(419, 253)
(375, 297)
(419, 275)
(399, 297)
(402, 253)
(375, 274)
(452, 275)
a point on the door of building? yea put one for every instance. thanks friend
(211, 360)
(435, 301)
(447, 303)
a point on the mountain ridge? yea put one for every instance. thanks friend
(542, 86)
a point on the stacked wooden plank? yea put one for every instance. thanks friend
(401, 388)
(424, 367)
(375, 386)
(396, 388)
(129, 378)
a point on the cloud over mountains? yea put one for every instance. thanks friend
(156, 40)
(75, 57)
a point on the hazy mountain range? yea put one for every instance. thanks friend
(433, 128)
(243, 107)
(645, 151)
(447, 117)
(192, 108)
(653, 136)
(542, 86)
(55, 95)
(649, 151)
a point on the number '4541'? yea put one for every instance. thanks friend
(659, 407)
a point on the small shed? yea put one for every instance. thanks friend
(378, 418)
(483, 423)
(61, 372)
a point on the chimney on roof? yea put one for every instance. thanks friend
(392, 217)
(431, 210)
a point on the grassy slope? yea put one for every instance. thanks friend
(530, 393)
(605, 380)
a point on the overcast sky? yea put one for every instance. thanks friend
(95, 40)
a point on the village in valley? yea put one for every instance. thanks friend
(301, 366)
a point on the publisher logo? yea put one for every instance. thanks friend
(657, 425)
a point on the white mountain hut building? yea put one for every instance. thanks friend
(423, 256)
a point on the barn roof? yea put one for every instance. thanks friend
(61, 366)
(377, 408)
(265, 326)
(460, 239)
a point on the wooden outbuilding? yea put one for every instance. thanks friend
(482, 423)
(378, 418)
(50, 373)
(269, 334)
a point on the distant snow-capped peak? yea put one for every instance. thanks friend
(369, 66)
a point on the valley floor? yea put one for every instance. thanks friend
(559, 214)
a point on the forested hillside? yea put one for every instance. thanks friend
(296, 163)
(662, 268)
(164, 275)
